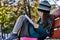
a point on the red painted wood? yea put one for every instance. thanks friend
(56, 34)
(57, 13)
(57, 23)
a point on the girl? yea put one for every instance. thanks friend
(36, 30)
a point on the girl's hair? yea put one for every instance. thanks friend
(46, 16)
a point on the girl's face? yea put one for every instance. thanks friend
(40, 13)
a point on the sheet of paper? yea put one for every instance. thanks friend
(29, 19)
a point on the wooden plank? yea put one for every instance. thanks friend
(56, 34)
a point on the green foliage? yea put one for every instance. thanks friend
(8, 16)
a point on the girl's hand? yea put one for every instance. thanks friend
(36, 25)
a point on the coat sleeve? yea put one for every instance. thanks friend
(41, 30)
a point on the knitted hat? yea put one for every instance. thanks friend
(44, 5)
